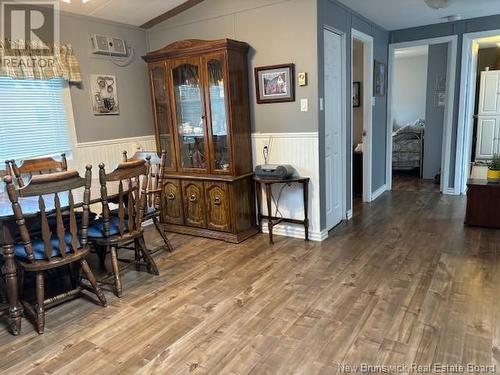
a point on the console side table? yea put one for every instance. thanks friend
(274, 220)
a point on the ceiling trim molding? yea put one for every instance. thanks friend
(171, 13)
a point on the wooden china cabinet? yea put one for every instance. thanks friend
(199, 93)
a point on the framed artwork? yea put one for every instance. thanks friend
(275, 83)
(379, 78)
(104, 94)
(356, 94)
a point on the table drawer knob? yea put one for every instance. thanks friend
(171, 196)
(193, 198)
(217, 201)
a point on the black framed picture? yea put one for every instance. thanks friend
(275, 83)
(379, 78)
(356, 94)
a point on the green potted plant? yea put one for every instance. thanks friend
(494, 169)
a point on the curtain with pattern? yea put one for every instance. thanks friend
(21, 61)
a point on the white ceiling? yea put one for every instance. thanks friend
(132, 12)
(401, 14)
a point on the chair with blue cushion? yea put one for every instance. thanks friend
(117, 229)
(52, 247)
(155, 189)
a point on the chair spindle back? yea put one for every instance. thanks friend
(155, 176)
(132, 189)
(39, 166)
(55, 194)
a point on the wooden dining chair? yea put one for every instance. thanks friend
(154, 189)
(38, 166)
(117, 229)
(53, 247)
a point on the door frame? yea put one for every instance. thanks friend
(452, 41)
(466, 106)
(343, 114)
(368, 101)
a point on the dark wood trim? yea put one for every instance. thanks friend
(194, 47)
(202, 232)
(270, 67)
(204, 177)
(171, 13)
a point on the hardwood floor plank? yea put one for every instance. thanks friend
(402, 282)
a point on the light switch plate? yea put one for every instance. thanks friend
(304, 105)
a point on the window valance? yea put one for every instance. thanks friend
(19, 62)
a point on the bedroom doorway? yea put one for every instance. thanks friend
(361, 115)
(420, 112)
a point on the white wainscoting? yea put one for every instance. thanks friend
(108, 152)
(298, 149)
(301, 150)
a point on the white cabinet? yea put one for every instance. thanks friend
(489, 93)
(487, 136)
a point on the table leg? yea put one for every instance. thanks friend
(305, 189)
(15, 310)
(258, 192)
(269, 212)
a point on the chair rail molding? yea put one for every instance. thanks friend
(300, 150)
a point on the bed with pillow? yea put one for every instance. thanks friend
(408, 146)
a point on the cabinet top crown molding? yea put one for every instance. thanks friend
(194, 47)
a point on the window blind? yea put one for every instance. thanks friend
(33, 119)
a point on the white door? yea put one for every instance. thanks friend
(489, 93)
(333, 128)
(487, 136)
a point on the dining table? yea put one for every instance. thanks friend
(8, 228)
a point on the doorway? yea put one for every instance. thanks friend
(361, 115)
(420, 114)
(479, 112)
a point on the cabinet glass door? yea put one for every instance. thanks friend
(162, 114)
(218, 114)
(189, 114)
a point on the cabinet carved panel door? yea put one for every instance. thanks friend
(172, 203)
(217, 207)
(194, 204)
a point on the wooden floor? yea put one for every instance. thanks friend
(409, 182)
(403, 282)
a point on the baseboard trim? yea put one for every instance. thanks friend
(377, 193)
(296, 232)
(115, 141)
(349, 215)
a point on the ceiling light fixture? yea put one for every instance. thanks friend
(437, 4)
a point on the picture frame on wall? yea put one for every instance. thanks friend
(275, 83)
(104, 94)
(356, 94)
(379, 78)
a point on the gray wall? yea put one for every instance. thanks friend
(132, 81)
(434, 118)
(445, 29)
(410, 86)
(333, 14)
(278, 31)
